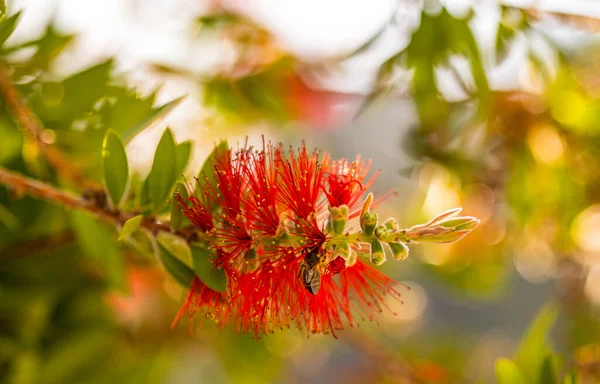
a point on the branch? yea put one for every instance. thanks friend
(32, 126)
(589, 23)
(22, 185)
(33, 246)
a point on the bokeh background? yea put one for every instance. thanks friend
(491, 106)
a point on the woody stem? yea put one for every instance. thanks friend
(31, 125)
(21, 185)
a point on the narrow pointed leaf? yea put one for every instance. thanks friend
(183, 156)
(548, 371)
(8, 219)
(534, 346)
(96, 242)
(164, 171)
(81, 92)
(143, 241)
(151, 118)
(178, 219)
(213, 277)
(571, 378)
(176, 246)
(130, 226)
(176, 269)
(115, 168)
(7, 26)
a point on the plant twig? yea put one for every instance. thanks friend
(32, 126)
(33, 246)
(579, 21)
(21, 185)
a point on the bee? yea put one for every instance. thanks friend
(308, 272)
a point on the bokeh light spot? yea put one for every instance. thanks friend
(536, 261)
(545, 144)
(585, 229)
(592, 288)
(568, 108)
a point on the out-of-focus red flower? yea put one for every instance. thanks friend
(287, 265)
(142, 299)
(318, 108)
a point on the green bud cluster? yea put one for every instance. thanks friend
(387, 238)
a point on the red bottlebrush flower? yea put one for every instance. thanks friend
(301, 178)
(367, 288)
(197, 211)
(260, 200)
(205, 301)
(283, 242)
(229, 176)
(344, 181)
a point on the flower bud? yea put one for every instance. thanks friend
(459, 223)
(377, 253)
(436, 235)
(391, 224)
(368, 222)
(400, 250)
(381, 233)
(442, 216)
(339, 218)
(443, 229)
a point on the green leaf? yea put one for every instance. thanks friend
(151, 118)
(8, 219)
(548, 371)
(437, 38)
(178, 219)
(82, 90)
(183, 156)
(130, 226)
(143, 241)
(504, 37)
(12, 139)
(48, 46)
(115, 167)
(219, 20)
(383, 83)
(179, 271)
(164, 171)
(7, 26)
(213, 277)
(507, 372)
(177, 246)
(534, 349)
(207, 172)
(128, 109)
(74, 351)
(2, 7)
(99, 244)
(571, 378)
